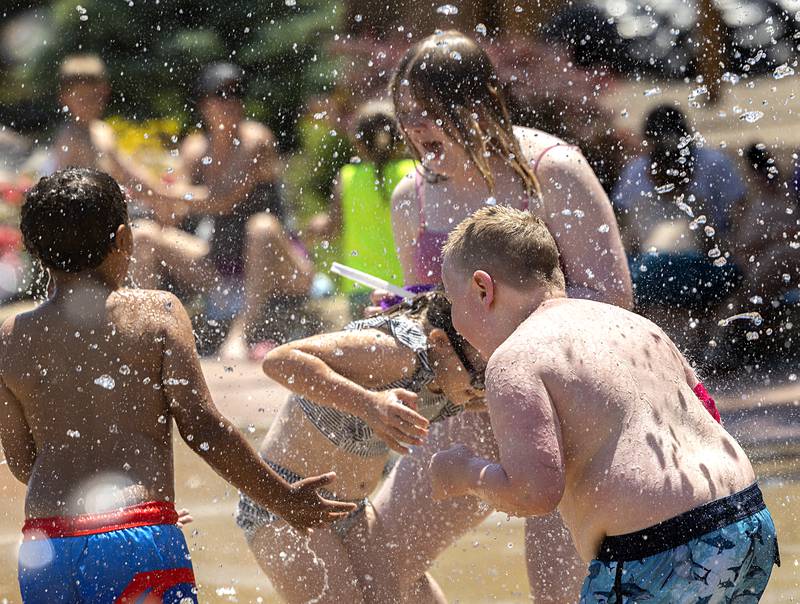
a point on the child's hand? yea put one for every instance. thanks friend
(304, 508)
(449, 472)
(184, 518)
(391, 415)
(376, 297)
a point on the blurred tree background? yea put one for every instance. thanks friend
(155, 48)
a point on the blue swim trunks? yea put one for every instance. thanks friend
(127, 556)
(722, 551)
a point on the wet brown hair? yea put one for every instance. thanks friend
(511, 245)
(455, 82)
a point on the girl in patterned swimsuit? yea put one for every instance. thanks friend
(357, 394)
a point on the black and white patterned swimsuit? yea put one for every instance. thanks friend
(351, 433)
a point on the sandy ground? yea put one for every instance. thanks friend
(485, 566)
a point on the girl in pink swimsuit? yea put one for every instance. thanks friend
(450, 109)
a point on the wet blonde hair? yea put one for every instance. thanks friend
(511, 245)
(454, 81)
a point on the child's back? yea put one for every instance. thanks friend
(87, 370)
(91, 381)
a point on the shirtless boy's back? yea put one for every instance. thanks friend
(91, 381)
(597, 413)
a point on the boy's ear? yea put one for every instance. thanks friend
(483, 284)
(123, 239)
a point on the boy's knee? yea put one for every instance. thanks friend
(263, 227)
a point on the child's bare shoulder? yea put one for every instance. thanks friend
(148, 310)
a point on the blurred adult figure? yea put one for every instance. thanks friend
(676, 203)
(251, 256)
(85, 140)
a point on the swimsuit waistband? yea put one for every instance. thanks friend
(681, 529)
(143, 514)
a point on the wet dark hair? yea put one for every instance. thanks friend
(665, 121)
(763, 163)
(376, 129)
(221, 79)
(435, 309)
(69, 219)
(455, 82)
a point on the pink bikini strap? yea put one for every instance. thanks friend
(535, 163)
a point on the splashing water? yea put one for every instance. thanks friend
(105, 381)
(751, 117)
(652, 91)
(755, 317)
(782, 71)
(694, 224)
(447, 9)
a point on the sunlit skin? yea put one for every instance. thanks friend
(337, 370)
(572, 387)
(595, 267)
(91, 382)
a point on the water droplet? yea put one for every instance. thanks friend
(455, 55)
(665, 188)
(251, 428)
(714, 252)
(652, 91)
(756, 300)
(721, 261)
(338, 352)
(782, 71)
(125, 370)
(84, 17)
(359, 18)
(325, 244)
(290, 379)
(792, 377)
(755, 317)
(204, 446)
(700, 91)
(709, 231)
(751, 117)
(732, 78)
(206, 160)
(162, 419)
(290, 2)
(603, 228)
(481, 29)
(518, 9)
(447, 9)
(105, 381)
(73, 434)
(319, 115)
(751, 335)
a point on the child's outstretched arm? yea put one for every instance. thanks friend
(221, 445)
(529, 480)
(315, 368)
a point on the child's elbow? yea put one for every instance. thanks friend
(538, 500)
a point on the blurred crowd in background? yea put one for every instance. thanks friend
(244, 228)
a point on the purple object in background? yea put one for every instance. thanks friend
(416, 289)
